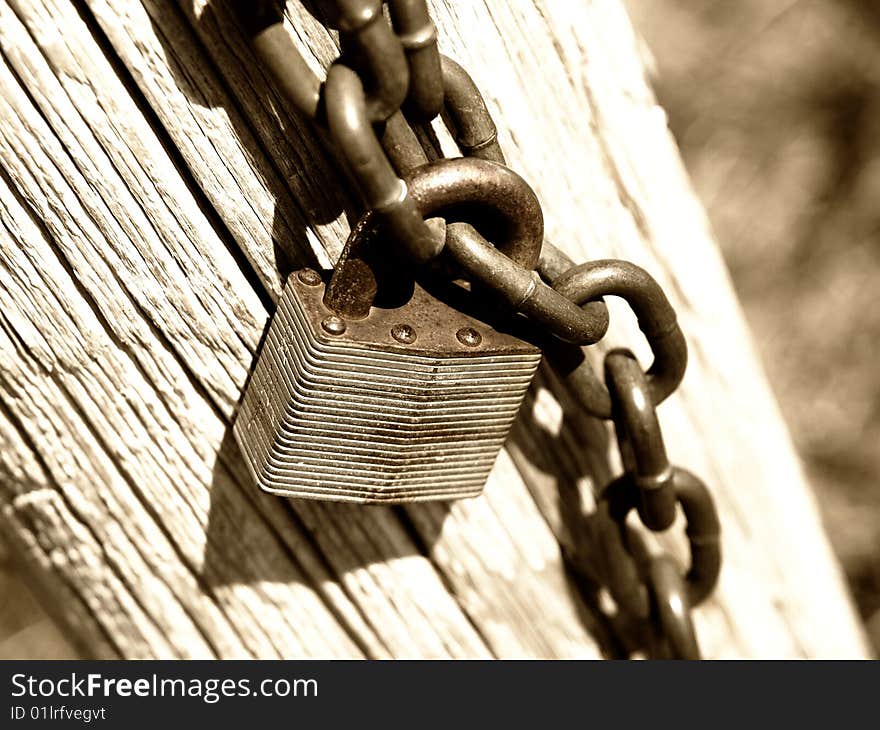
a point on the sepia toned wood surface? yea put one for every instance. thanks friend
(154, 193)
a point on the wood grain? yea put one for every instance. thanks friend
(154, 193)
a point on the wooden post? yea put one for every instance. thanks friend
(155, 191)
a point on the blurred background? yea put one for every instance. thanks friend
(776, 107)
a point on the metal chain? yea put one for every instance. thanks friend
(390, 79)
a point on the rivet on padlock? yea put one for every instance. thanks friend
(373, 390)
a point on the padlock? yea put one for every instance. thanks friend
(372, 389)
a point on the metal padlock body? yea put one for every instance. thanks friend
(362, 417)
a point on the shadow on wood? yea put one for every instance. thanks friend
(291, 248)
(535, 443)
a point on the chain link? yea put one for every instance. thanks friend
(489, 223)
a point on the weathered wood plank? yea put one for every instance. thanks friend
(25, 630)
(132, 307)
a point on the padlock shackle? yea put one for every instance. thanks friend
(457, 188)
(481, 192)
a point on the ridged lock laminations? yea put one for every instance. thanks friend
(358, 415)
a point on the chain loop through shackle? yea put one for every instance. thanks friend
(494, 191)
(477, 137)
